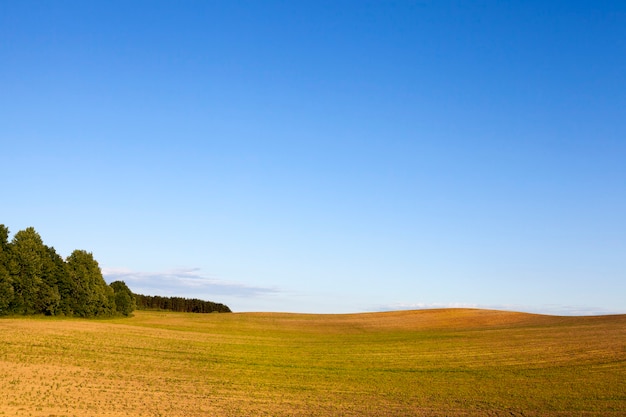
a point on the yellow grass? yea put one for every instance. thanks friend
(434, 362)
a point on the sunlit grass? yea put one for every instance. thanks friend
(442, 362)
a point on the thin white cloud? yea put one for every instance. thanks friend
(184, 282)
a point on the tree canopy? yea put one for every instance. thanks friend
(34, 279)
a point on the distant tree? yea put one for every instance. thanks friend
(54, 273)
(6, 287)
(180, 304)
(26, 259)
(124, 298)
(4, 239)
(57, 274)
(6, 291)
(91, 295)
(48, 299)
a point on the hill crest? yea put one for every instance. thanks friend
(428, 319)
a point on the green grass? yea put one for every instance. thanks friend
(436, 362)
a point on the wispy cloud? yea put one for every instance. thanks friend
(552, 309)
(184, 282)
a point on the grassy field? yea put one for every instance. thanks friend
(433, 363)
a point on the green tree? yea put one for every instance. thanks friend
(26, 269)
(91, 296)
(60, 274)
(6, 287)
(54, 272)
(124, 298)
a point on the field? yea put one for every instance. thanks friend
(433, 363)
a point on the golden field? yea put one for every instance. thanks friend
(457, 362)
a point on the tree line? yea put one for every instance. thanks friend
(34, 279)
(179, 304)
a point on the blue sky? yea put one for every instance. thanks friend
(325, 157)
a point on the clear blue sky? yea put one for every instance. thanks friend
(325, 156)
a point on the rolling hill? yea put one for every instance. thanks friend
(430, 362)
